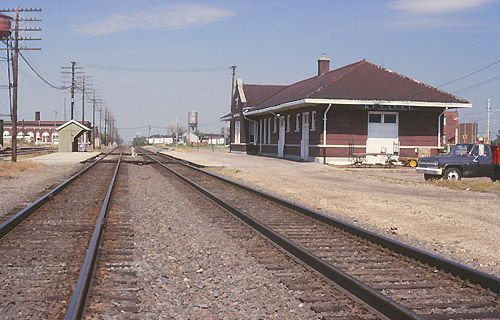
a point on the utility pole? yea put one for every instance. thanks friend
(83, 99)
(72, 88)
(15, 49)
(73, 72)
(93, 121)
(105, 127)
(488, 109)
(232, 85)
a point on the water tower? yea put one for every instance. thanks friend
(5, 25)
(192, 121)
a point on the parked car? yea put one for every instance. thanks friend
(464, 160)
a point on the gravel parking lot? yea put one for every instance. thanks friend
(459, 224)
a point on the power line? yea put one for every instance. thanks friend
(156, 70)
(479, 84)
(40, 77)
(469, 74)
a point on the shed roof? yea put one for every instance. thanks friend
(72, 122)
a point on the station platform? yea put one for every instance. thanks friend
(58, 158)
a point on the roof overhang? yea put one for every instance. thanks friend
(307, 102)
(228, 117)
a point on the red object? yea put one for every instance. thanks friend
(5, 24)
(496, 154)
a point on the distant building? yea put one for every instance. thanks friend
(450, 124)
(213, 138)
(160, 139)
(467, 132)
(38, 131)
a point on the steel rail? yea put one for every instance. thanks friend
(467, 273)
(378, 301)
(79, 296)
(24, 213)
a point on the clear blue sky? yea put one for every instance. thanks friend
(271, 42)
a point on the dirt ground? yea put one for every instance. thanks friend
(462, 225)
(25, 182)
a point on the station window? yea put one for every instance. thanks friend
(288, 123)
(313, 120)
(297, 122)
(375, 118)
(389, 118)
(275, 124)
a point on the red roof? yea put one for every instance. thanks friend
(257, 93)
(361, 80)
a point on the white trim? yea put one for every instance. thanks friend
(269, 130)
(304, 102)
(337, 146)
(241, 92)
(238, 144)
(413, 147)
(313, 121)
(70, 122)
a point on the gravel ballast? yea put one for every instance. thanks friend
(189, 267)
(460, 225)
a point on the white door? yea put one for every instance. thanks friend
(383, 134)
(304, 143)
(281, 138)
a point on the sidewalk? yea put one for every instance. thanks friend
(58, 158)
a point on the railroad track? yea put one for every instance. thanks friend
(43, 246)
(399, 281)
(27, 151)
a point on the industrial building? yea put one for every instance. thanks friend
(39, 132)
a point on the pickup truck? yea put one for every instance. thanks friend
(464, 160)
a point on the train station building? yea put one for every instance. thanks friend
(360, 109)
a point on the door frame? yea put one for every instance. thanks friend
(304, 142)
(281, 137)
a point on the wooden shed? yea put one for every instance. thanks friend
(69, 133)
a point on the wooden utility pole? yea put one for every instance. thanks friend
(93, 121)
(72, 70)
(105, 127)
(15, 48)
(232, 85)
(15, 74)
(83, 99)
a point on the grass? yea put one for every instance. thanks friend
(14, 169)
(187, 148)
(469, 184)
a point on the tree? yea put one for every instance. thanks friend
(139, 141)
(497, 140)
(199, 134)
(175, 129)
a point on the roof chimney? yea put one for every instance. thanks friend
(323, 64)
(37, 116)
